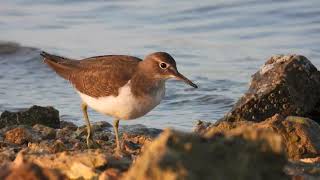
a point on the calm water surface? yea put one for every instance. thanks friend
(218, 44)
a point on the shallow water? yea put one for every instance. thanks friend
(218, 44)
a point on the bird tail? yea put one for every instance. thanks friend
(61, 65)
(52, 57)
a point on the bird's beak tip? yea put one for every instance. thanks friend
(186, 80)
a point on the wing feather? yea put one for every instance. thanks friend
(96, 76)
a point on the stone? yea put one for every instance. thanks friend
(140, 130)
(44, 131)
(101, 125)
(18, 136)
(201, 126)
(7, 154)
(285, 85)
(79, 170)
(47, 116)
(73, 164)
(110, 174)
(300, 170)
(68, 125)
(177, 155)
(8, 47)
(64, 133)
(300, 135)
(47, 146)
(102, 135)
(98, 128)
(25, 170)
(120, 163)
(136, 137)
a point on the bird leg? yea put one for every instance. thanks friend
(90, 142)
(115, 128)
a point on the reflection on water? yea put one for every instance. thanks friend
(218, 44)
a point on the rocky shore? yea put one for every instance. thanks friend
(272, 132)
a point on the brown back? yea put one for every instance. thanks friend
(96, 76)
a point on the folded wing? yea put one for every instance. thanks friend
(98, 76)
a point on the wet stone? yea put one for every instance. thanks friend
(285, 85)
(139, 129)
(47, 116)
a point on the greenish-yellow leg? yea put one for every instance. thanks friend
(90, 142)
(115, 128)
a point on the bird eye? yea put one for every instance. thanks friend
(163, 65)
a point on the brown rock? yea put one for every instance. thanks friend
(44, 131)
(176, 155)
(102, 135)
(110, 174)
(300, 135)
(28, 171)
(68, 125)
(73, 164)
(201, 126)
(134, 144)
(79, 170)
(64, 133)
(18, 136)
(7, 154)
(51, 146)
(300, 170)
(285, 85)
(135, 138)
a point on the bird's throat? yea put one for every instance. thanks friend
(145, 85)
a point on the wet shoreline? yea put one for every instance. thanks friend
(252, 141)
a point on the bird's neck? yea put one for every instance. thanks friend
(143, 84)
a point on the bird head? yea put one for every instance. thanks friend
(162, 66)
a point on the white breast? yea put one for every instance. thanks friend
(125, 105)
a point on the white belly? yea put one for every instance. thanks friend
(125, 105)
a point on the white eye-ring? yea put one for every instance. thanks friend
(163, 65)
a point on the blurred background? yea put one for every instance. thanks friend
(218, 44)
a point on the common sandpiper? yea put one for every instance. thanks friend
(124, 87)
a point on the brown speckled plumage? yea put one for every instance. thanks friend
(96, 76)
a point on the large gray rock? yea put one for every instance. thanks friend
(47, 116)
(285, 85)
